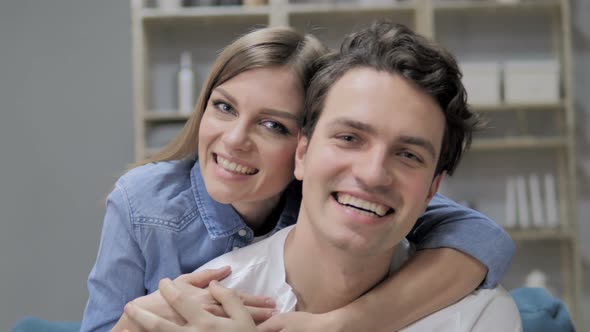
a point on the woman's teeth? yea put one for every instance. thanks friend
(235, 168)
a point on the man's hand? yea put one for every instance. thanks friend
(190, 309)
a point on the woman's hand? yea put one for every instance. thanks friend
(192, 311)
(194, 285)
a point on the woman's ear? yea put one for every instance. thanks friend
(302, 142)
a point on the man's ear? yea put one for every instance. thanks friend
(434, 186)
(302, 142)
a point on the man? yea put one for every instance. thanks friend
(386, 118)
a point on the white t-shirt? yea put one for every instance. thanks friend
(260, 269)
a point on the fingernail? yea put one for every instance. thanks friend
(269, 301)
(275, 312)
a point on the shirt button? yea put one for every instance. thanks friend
(242, 232)
(236, 248)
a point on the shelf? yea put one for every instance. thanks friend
(217, 12)
(332, 8)
(468, 5)
(494, 30)
(534, 234)
(515, 143)
(519, 107)
(168, 116)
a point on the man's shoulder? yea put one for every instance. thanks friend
(492, 309)
(482, 310)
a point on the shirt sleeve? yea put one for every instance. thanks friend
(118, 273)
(451, 225)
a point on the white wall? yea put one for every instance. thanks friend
(66, 133)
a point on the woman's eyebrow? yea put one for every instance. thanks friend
(226, 95)
(266, 111)
(282, 114)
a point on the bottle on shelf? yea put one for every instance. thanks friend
(186, 83)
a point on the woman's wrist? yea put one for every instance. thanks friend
(340, 320)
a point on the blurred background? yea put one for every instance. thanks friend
(69, 125)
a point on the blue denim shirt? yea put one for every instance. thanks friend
(160, 223)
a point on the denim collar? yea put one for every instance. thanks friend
(221, 220)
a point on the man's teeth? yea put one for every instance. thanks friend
(233, 167)
(356, 202)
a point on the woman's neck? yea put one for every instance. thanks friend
(262, 216)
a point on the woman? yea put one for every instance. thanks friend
(173, 214)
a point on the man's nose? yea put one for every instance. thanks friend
(372, 169)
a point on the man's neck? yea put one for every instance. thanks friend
(325, 278)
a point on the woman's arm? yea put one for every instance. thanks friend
(193, 287)
(191, 309)
(470, 245)
(117, 275)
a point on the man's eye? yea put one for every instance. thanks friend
(409, 155)
(275, 126)
(347, 138)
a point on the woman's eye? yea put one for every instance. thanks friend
(223, 107)
(275, 126)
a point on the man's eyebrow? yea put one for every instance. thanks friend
(267, 111)
(346, 122)
(419, 141)
(412, 140)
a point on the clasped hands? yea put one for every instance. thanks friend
(188, 305)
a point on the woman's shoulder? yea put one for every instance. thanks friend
(177, 171)
(160, 193)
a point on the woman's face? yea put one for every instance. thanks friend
(247, 138)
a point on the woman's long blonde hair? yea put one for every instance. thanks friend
(278, 46)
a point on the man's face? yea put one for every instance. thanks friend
(368, 170)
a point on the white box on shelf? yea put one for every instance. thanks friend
(531, 81)
(537, 209)
(511, 216)
(551, 201)
(482, 82)
(522, 202)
